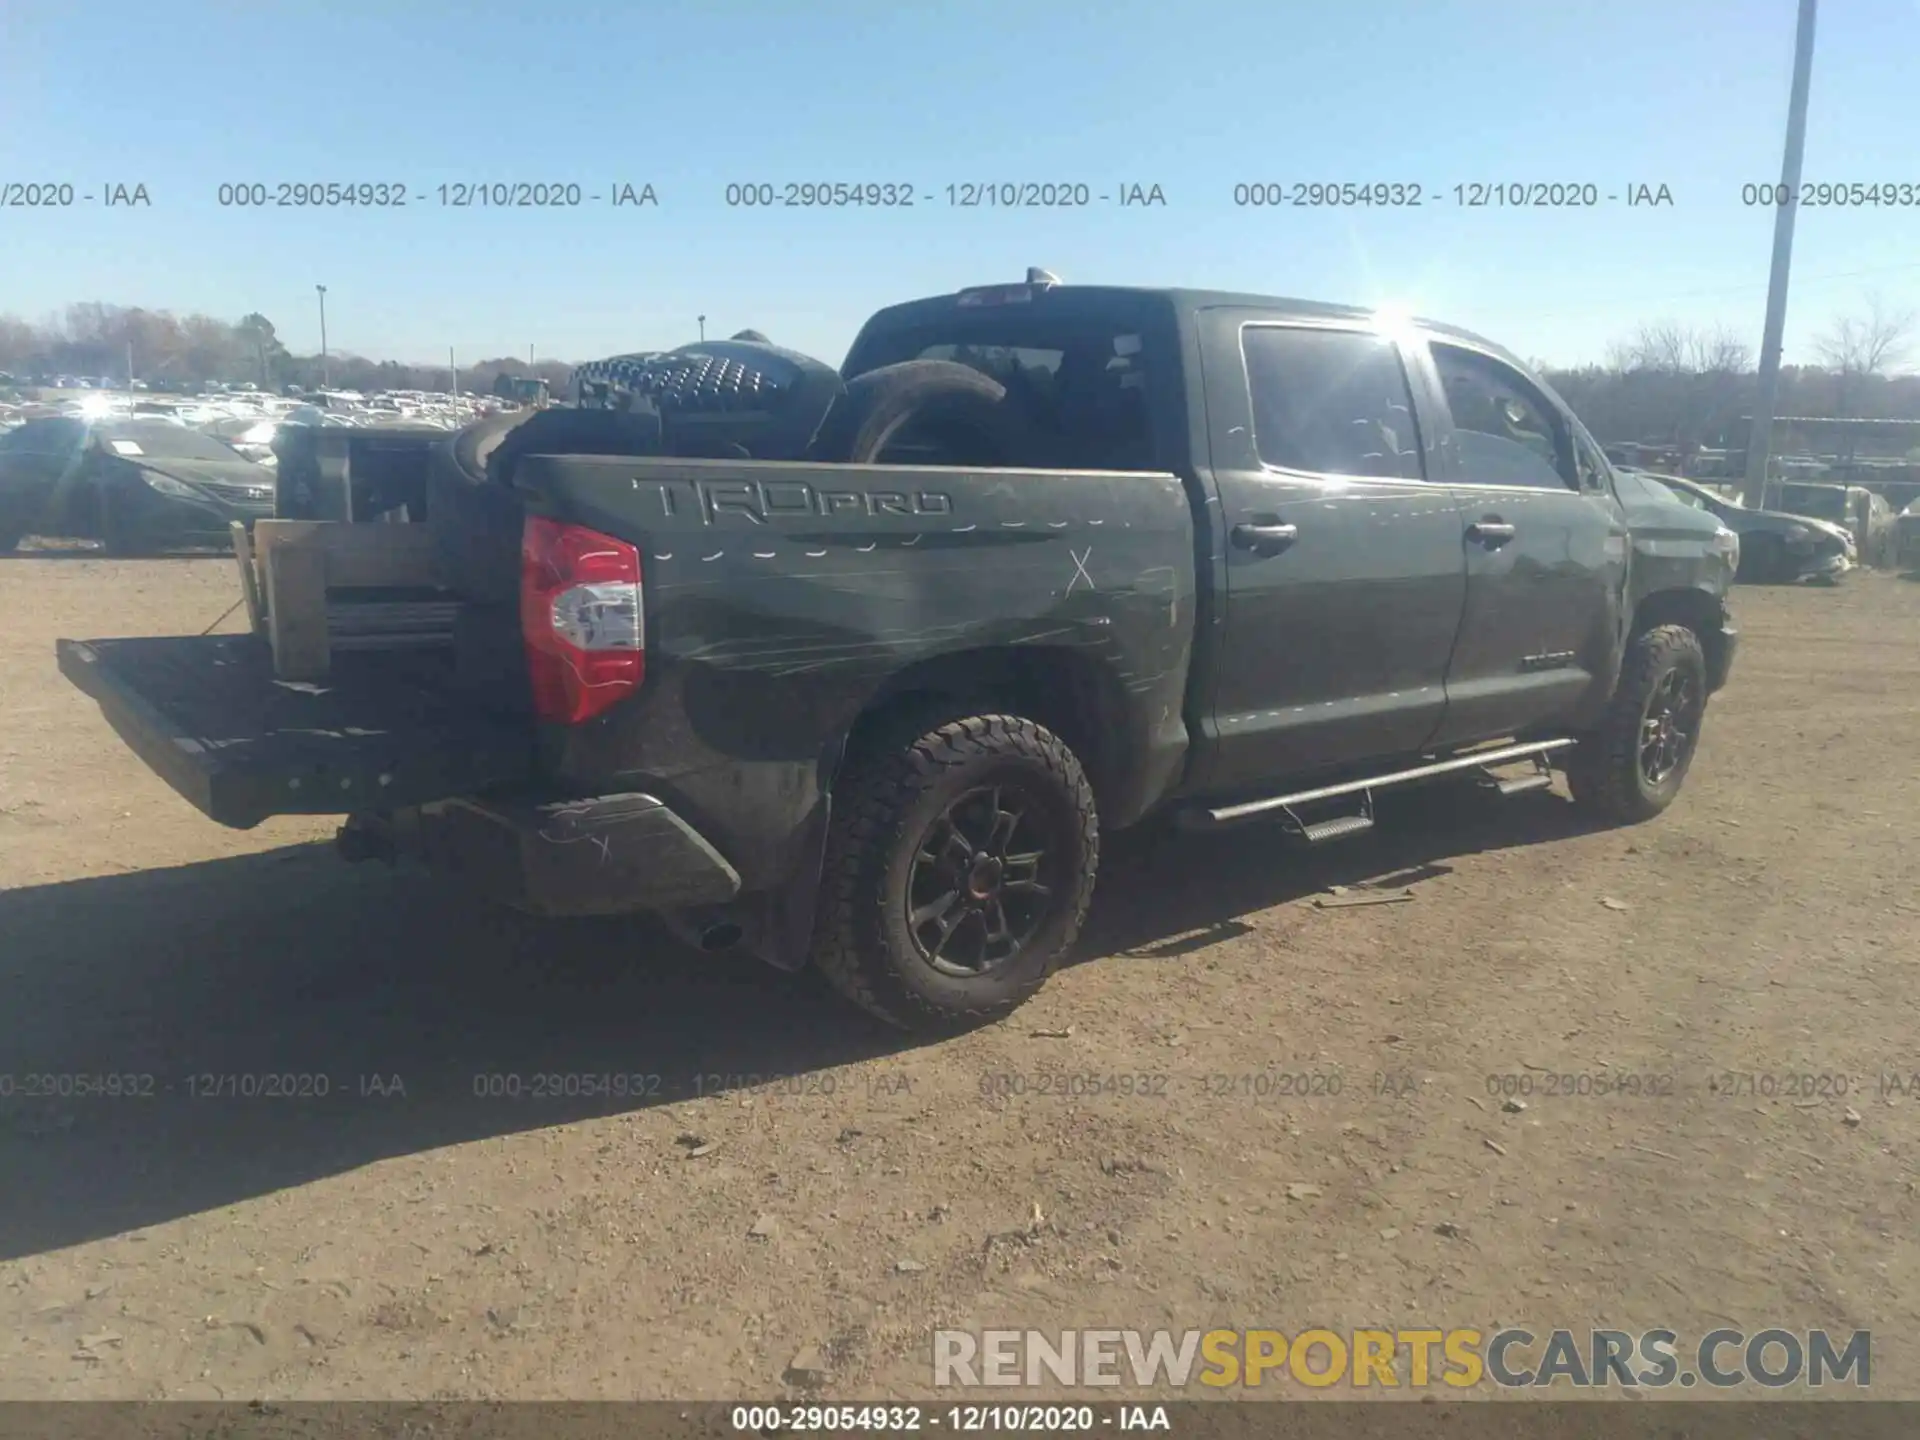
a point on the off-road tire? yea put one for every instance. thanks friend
(886, 804)
(1604, 771)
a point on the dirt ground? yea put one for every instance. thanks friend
(684, 1243)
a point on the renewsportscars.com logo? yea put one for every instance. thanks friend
(1511, 1358)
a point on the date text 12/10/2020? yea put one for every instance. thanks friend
(1471, 195)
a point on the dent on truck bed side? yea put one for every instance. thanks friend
(783, 601)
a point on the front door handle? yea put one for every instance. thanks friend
(1265, 537)
(1490, 533)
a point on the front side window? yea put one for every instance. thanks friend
(1330, 402)
(1505, 432)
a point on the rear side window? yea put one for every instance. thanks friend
(1330, 402)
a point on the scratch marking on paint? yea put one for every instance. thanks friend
(599, 842)
(1080, 569)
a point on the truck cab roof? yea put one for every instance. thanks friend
(1064, 300)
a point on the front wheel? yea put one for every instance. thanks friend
(1632, 766)
(119, 536)
(959, 869)
(1764, 561)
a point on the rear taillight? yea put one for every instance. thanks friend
(583, 619)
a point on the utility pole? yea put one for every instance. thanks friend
(325, 383)
(455, 369)
(1760, 433)
(129, 371)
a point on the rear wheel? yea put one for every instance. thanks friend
(1632, 766)
(959, 869)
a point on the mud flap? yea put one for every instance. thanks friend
(782, 932)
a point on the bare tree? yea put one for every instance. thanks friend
(1674, 382)
(1670, 348)
(1718, 352)
(1660, 347)
(1860, 347)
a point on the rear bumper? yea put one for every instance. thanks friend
(607, 855)
(385, 741)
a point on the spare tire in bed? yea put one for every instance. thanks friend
(954, 409)
(471, 501)
(721, 398)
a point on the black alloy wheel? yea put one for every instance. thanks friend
(981, 883)
(1669, 727)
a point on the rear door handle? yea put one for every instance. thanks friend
(1265, 537)
(1490, 533)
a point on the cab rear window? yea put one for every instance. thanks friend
(1080, 392)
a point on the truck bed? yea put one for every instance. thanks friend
(208, 715)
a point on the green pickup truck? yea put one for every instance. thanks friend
(857, 667)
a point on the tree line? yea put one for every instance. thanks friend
(168, 350)
(1665, 383)
(1686, 386)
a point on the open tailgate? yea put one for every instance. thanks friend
(208, 715)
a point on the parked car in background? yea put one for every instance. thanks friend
(250, 435)
(1907, 537)
(1775, 547)
(1864, 514)
(139, 485)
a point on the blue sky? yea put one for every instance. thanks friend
(1194, 97)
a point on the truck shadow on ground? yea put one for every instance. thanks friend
(288, 963)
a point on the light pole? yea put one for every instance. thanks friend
(325, 383)
(703, 327)
(1760, 433)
